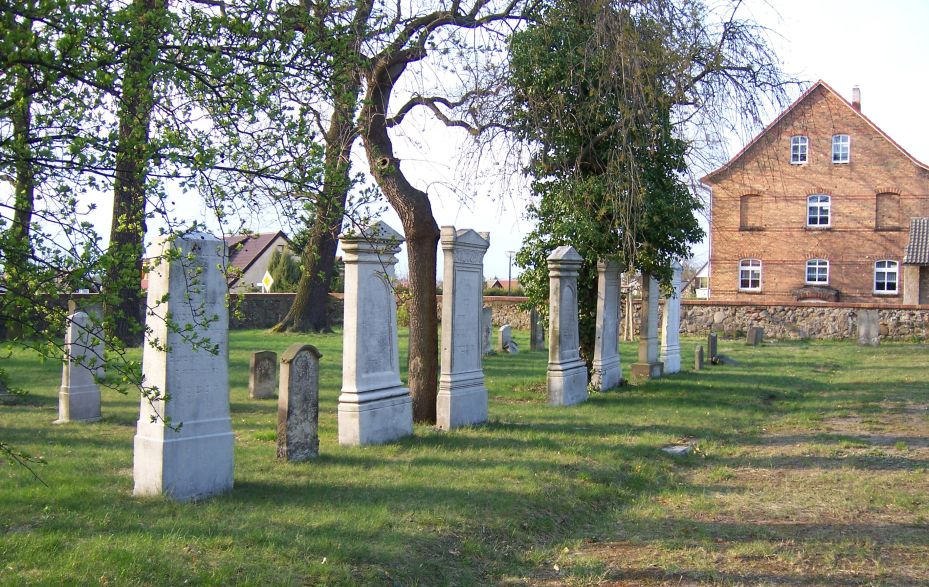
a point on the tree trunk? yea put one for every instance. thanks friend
(422, 239)
(309, 311)
(20, 249)
(122, 285)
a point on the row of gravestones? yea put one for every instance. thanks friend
(183, 448)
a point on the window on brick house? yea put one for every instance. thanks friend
(885, 277)
(841, 146)
(750, 213)
(798, 149)
(818, 211)
(817, 272)
(887, 212)
(749, 275)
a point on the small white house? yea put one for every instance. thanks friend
(702, 283)
(250, 255)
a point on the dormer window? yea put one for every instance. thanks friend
(840, 148)
(818, 211)
(799, 146)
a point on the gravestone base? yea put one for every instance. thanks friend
(672, 362)
(646, 370)
(606, 375)
(78, 404)
(377, 421)
(567, 383)
(461, 403)
(188, 467)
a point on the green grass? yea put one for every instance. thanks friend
(810, 468)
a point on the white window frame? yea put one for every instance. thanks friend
(841, 145)
(799, 149)
(749, 267)
(821, 205)
(820, 268)
(885, 268)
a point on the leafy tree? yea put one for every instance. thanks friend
(285, 270)
(603, 90)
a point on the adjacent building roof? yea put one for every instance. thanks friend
(244, 249)
(917, 250)
(708, 178)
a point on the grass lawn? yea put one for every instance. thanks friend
(810, 468)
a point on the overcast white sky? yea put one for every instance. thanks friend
(880, 46)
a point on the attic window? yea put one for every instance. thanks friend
(840, 148)
(798, 149)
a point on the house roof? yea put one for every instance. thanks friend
(707, 179)
(244, 249)
(917, 250)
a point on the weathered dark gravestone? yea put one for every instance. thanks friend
(536, 332)
(298, 404)
(698, 357)
(487, 330)
(755, 336)
(869, 327)
(262, 375)
(711, 346)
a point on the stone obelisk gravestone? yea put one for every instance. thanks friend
(374, 407)
(607, 371)
(869, 327)
(192, 456)
(79, 397)
(671, 324)
(536, 332)
(711, 344)
(567, 373)
(298, 404)
(648, 365)
(487, 330)
(698, 357)
(462, 398)
(262, 375)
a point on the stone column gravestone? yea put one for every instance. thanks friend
(262, 375)
(711, 341)
(869, 327)
(192, 457)
(374, 406)
(504, 337)
(79, 396)
(536, 332)
(607, 372)
(487, 330)
(671, 324)
(567, 373)
(698, 357)
(298, 404)
(462, 398)
(648, 366)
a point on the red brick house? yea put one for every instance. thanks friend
(821, 205)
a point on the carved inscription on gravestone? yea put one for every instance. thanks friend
(298, 404)
(262, 375)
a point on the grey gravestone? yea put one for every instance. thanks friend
(504, 336)
(487, 330)
(462, 397)
(755, 336)
(262, 375)
(512, 348)
(298, 404)
(698, 357)
(711, 341)
(194, 460)
(79, 396)
(567, 372)
(606, 371)
(536, 332)
(648, 365)
(670, 356)
(869, 327)
(374, 406)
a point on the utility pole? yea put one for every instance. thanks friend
(509, 279)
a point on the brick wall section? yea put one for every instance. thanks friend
(777, 233)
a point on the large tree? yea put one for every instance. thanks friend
(604, 92)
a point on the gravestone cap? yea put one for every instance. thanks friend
(293, 350)
(566, 254)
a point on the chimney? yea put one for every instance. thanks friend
(856, 98)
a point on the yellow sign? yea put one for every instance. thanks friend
(267, 281)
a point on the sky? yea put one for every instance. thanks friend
(880, 46)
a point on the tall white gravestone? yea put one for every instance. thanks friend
(374, 407)
(671, 325)
(607, 371)
(196, 459)
(462, 398)
(648, 365)
(567, 373)
(79, 396)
